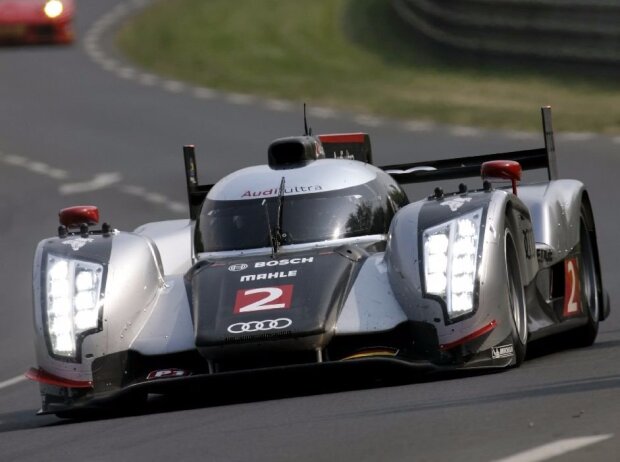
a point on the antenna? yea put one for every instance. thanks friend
(307, 130)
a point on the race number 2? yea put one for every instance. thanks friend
(263, 298)
(572, 289)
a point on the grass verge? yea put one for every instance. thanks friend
(357, 55)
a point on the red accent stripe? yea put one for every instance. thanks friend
(39, 375)
(343, 138)
(468, 338)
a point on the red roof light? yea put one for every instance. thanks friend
(502, 169)
(73, 217)
(343, 138)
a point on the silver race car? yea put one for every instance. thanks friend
(317, 260)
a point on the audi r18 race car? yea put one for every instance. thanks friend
(36, 21)
(317, 259)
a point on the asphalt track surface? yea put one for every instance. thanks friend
(72, 132)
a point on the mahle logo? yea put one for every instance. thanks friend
(237, 267)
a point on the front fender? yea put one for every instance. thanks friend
(404, 256)
(555, 208)
(133, 281)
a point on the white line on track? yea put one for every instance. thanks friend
(14, 159)
(177, 207)
(418, 126)
(148, 79)
(155, 198)
(99, 181)
(576, 136)
(204, 93)
(554, 449)
(109, 65)
(279, 105)
(322, 112)
(13, 381)
(465, 131)
(110, 19)
(133, 190)
(127, 72)
(57, 174)
(239, 98)
(369, 121)
(173, 86)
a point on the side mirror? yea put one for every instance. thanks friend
(502, 169)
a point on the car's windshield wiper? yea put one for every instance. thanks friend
(276, 236)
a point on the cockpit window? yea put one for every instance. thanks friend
(245, 224)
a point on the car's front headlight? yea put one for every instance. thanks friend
(451, 260)
(72, 302)
(53, 8)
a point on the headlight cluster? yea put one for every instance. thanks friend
(73, 301)
(450, 262)
(53, 8)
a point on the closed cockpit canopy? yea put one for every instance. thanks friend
(323, 199)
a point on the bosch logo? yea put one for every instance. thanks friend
(286, 261)
(259, 326)
(237, 267)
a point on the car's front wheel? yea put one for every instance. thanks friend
(516, 299)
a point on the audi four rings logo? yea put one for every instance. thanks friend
(237, 267)
(259, 326)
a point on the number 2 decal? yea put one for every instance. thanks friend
(572, 289)
(263, 298)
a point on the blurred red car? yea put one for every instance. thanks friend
(36, 21)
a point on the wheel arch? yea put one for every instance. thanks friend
(586, 207)
(517, 217)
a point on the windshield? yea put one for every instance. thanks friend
(243, 224)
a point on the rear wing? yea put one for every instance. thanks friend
(357, 146)
(196, 193)
(464, 167)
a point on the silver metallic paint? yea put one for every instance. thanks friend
(321, 175)
(403, 260)
(173, 239)
(146, 306)
(370, 306)
(134, 283)
(555, 208)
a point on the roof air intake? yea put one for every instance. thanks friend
(294, 151)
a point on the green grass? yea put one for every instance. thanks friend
(358, 56)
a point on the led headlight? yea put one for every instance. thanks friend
(53, 8)
(73, 304)
(450, 262)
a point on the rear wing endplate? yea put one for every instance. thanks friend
(464, 167)
(196, 193)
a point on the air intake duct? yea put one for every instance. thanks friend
(294, 151)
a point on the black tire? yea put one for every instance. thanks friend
(590, 281)
(516, 299)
